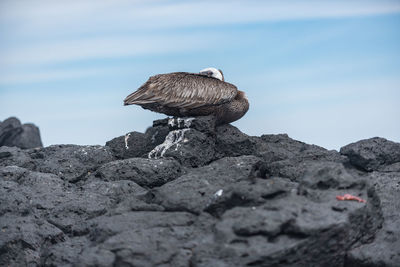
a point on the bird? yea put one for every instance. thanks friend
(185, 94)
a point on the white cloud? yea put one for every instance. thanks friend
(85, 16)
(107, 47)
(51, 75)
(56, 31)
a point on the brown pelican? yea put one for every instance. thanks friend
(185, 94)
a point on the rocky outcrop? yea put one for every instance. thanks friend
(13, 133)
(375, 154)
(379, 162)
(185, 193)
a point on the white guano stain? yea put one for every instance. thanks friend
(173, 138)
(219, 193)
(180, 122)
(126, 140)
(153, 137)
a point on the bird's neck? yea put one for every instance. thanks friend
(241, 95)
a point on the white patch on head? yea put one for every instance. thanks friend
(214, 73)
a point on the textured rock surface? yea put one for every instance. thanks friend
(186, 194)
(374, 154)
(13, 133)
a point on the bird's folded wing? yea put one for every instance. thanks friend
(182, 90)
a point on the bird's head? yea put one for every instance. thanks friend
(213, 72)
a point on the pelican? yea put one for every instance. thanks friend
(184, 94)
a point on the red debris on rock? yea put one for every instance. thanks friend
(350, 197)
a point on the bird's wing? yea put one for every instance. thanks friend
(182, 90)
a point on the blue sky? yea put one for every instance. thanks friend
(325, 72)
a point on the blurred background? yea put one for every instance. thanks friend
(324, 72)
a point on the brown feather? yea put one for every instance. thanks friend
(182, 90)
(187, 94)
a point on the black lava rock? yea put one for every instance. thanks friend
(383, 249)
(195, 190)
(144, 172)
(186, 193)
(13, 133)
(374, 154)
(190, 141)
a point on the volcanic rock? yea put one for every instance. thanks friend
(144, 172)
(13, 133)
(374, 154)
(383, 250)
(186, 193)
